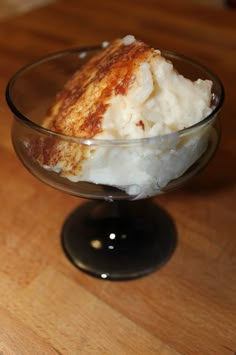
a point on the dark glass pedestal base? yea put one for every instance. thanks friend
(119, 240)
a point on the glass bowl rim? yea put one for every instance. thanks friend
(97, 141)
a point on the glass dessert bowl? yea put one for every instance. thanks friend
(121, 234)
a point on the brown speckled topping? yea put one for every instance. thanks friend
(79, 108)
(140, 124)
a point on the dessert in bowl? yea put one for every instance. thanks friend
(125, 122)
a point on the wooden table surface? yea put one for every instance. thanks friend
(47, 306)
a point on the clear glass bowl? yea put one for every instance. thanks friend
(131, 236)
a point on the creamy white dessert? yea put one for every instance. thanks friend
(127, 91)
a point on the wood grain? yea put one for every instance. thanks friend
(9, 8)
(189, 306)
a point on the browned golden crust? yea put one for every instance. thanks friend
(79, 108)
(66, 156)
